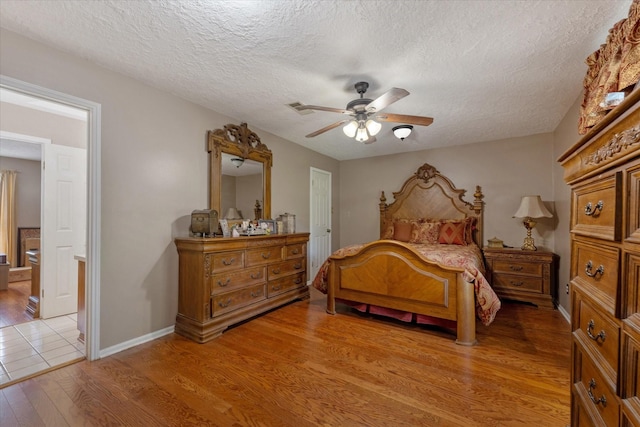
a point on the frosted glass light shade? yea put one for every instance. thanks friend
(402, 131)
(361, 134)
(350, 129)
(373, 127)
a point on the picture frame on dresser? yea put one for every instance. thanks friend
(269, 225)
(224, 225)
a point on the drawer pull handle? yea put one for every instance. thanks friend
(295, 252)
(266, 255)
(256, 294)
(515, 267)
(276, 271)
(590, 210)
(228, 262)
(256, 275)
(589, 266)
(602, 399)
(276, 288)
(298, 266)
(224, 304)
(516, 283)
(225, 283)
(298, 280)
(602, 335)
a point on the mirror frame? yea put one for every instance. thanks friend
(242, 142)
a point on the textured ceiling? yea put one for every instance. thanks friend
(484, 70)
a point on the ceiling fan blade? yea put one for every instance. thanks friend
(329, 109)
(326, 128)
(389, 97)
(403, 118)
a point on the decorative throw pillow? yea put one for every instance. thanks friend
(425, 232)
(402, 231)
(453, 233)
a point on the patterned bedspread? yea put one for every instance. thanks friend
(467, 257)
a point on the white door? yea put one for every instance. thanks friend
(320, 235)
(63, 227)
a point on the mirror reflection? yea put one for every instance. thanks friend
(241, 187)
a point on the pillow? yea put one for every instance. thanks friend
(402, 231)
(457, 231)
(425, 232)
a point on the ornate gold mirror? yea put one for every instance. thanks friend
(240, 175)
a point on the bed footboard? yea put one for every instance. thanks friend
(390, 274)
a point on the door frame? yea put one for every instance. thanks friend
(94, 125)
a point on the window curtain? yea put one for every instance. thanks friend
(615, 67)
(8, 215)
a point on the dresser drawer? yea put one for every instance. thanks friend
(225, 261)
(285, 284)
(630, 384)
(295, 251)
(285, 268)
(597, 208)
(512, 281)
(633, 205)
(593, 390)
(632, 283)
(228, 301)
(266, 255)
(226, 282)
(597, 267)
(517, 267)
(598, 331)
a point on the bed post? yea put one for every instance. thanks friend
(478, 208)
(383, 213)
(466, 322)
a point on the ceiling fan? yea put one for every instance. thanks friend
(364, 112)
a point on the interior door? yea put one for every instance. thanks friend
(63, 227)
(320, 235)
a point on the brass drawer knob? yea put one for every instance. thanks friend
(225, 283)
(295, 252)
(590, 210)
(589, 267)
(266, 255)
(228, 261)
(602, 335)
(255, 276)
(515, 267)
(224, 304)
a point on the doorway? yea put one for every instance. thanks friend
(320, 219)
(92, 111)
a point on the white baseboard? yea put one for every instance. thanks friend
(564, 313)
(136, 341)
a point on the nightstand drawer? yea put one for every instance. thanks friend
(517, 267)
(521, 283)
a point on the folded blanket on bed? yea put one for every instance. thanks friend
(467, 257)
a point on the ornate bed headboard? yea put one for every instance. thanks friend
(428, 194)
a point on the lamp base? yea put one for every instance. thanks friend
(528, 244)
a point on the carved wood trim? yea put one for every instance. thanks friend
(620, 142)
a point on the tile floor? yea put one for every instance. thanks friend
(34, 346)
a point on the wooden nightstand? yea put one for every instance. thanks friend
(528, 276)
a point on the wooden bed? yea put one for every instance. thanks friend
(391, 274)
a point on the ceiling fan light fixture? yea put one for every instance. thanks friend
(362, 135)
(237, 161)
(373, 127)
(402, 131)
(350, 128)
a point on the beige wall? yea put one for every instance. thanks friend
(154, 173)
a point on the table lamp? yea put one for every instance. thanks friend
(531, 207)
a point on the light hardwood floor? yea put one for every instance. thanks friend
(298, 366)
(13, 303)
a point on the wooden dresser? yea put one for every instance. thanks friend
(529, 276)
(603, 170)
(223, 281)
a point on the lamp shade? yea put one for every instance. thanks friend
(350, 128)
(232, 213)
(402, 131)
(362, 135)
(532, 207)
(373, 127)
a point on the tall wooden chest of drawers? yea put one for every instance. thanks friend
(603, 170)
(223, 281)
